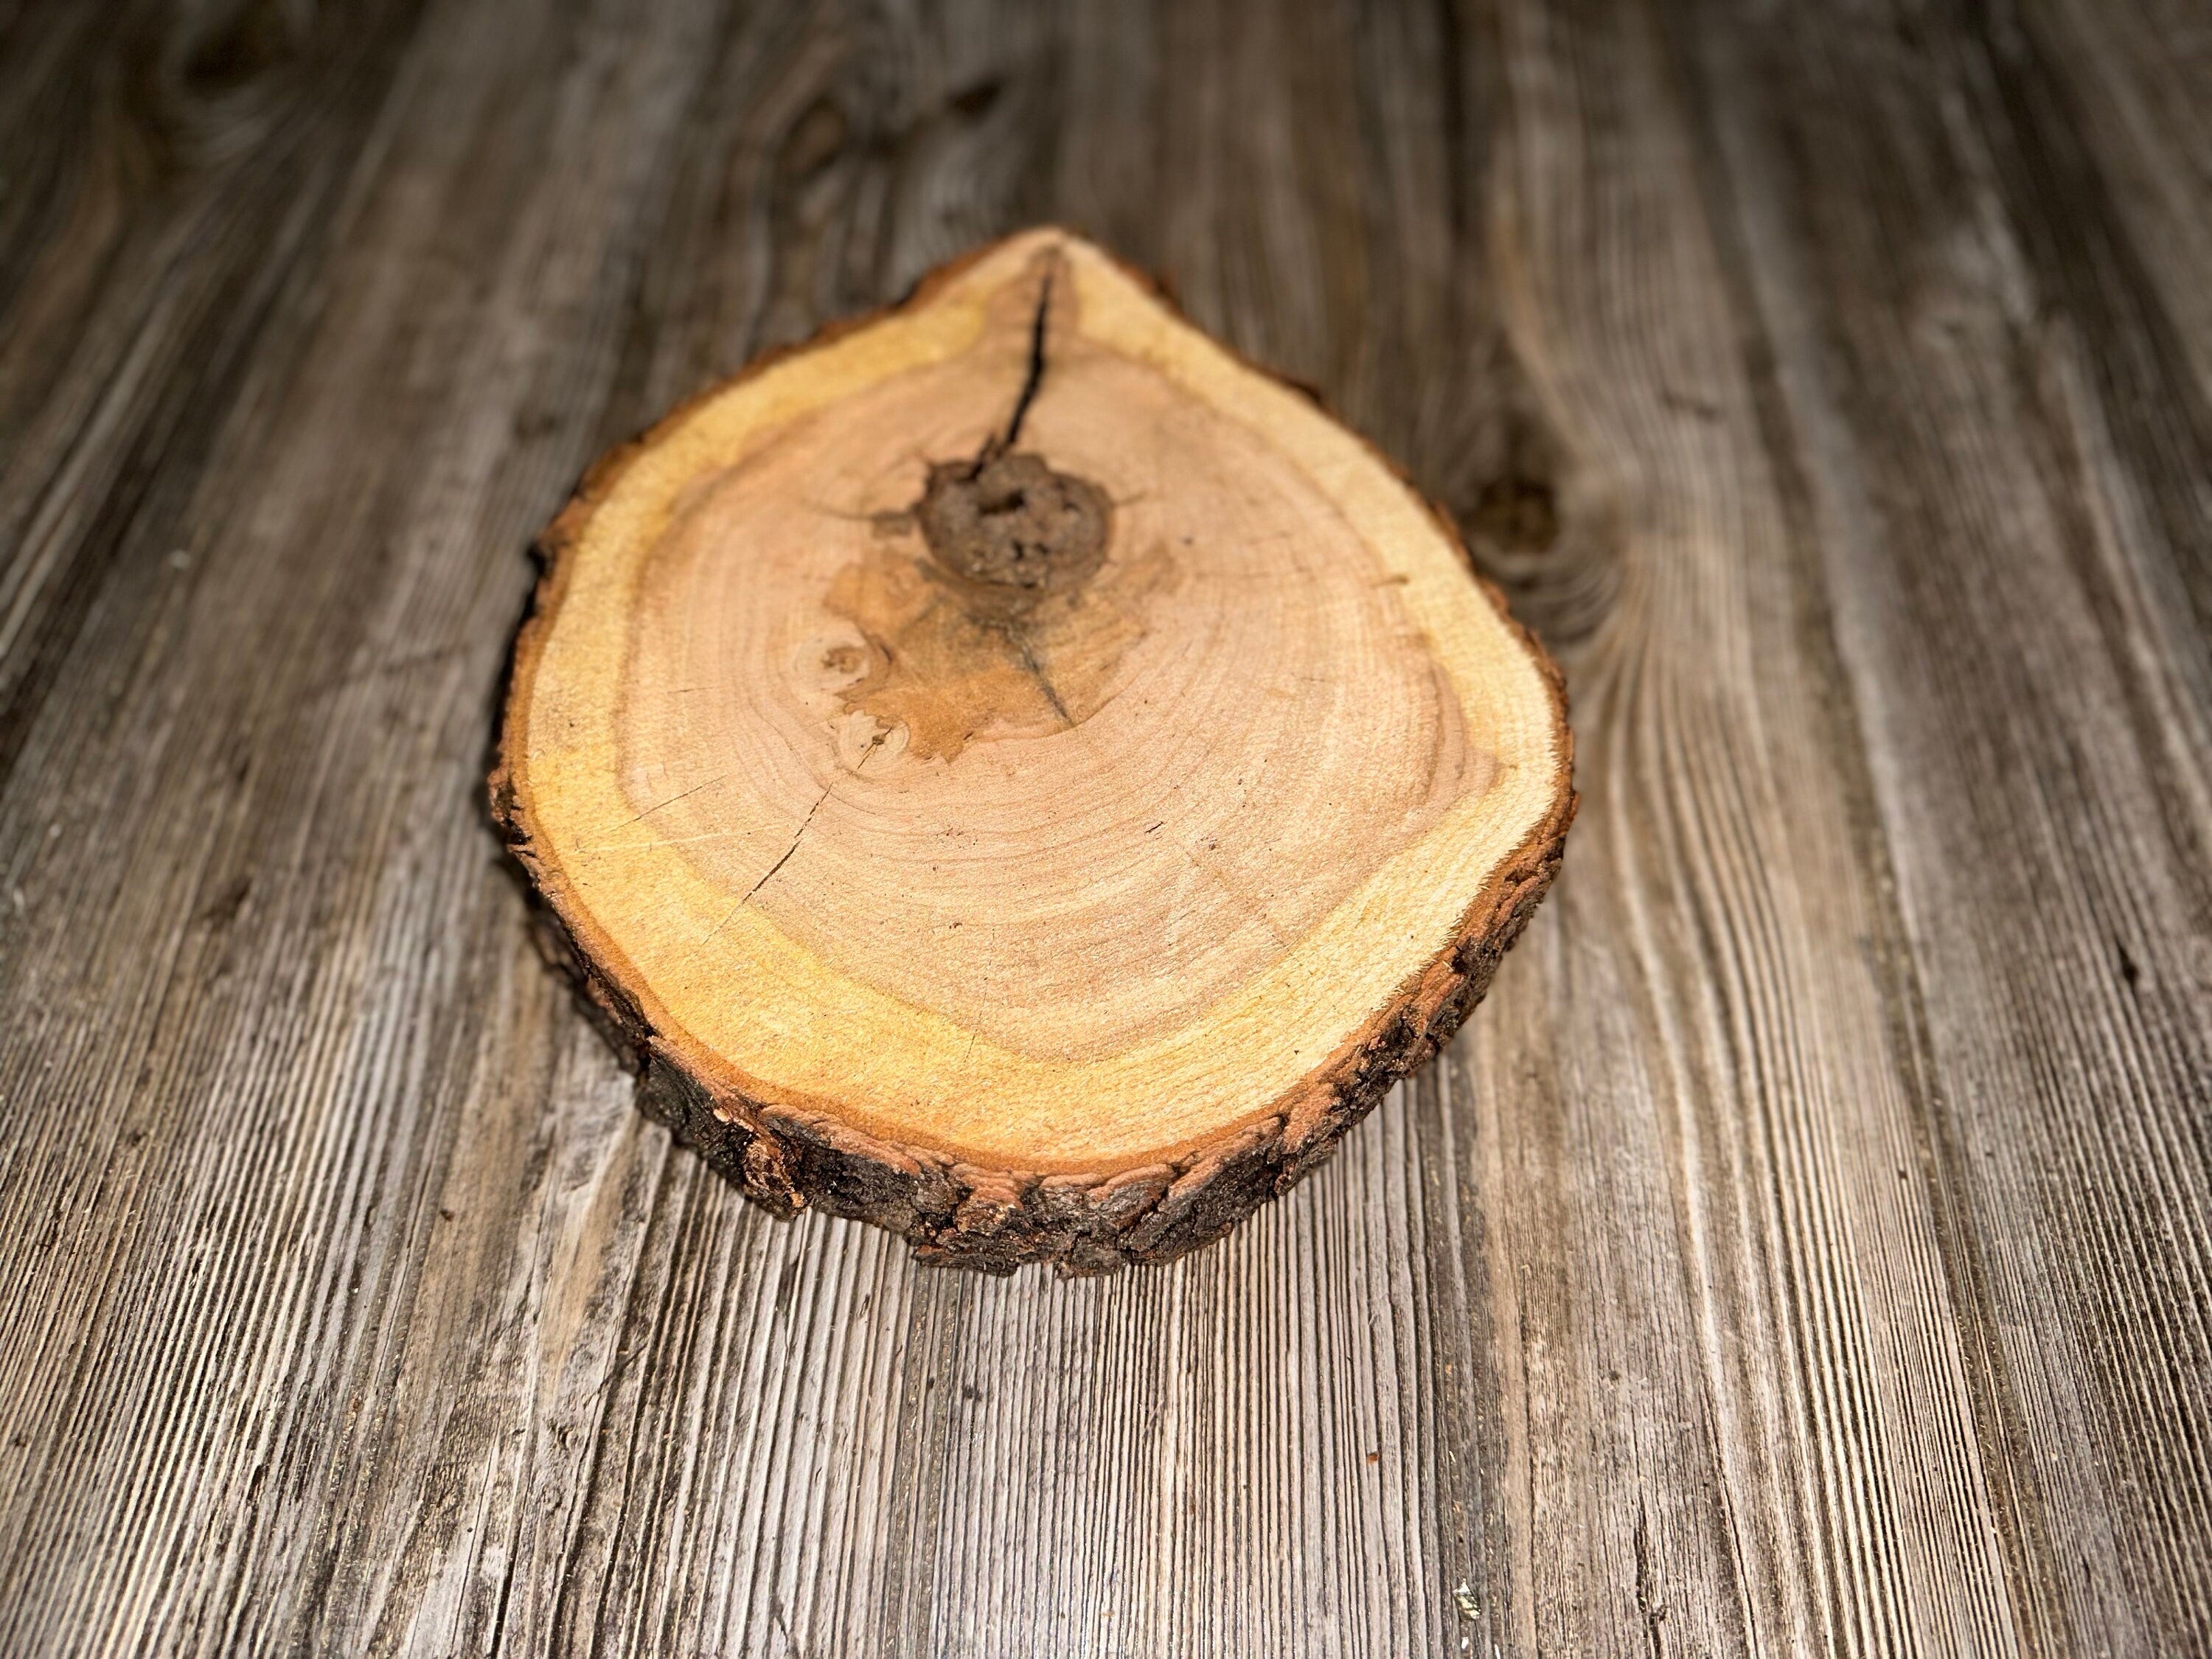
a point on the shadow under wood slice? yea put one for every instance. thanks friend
(1010, 770)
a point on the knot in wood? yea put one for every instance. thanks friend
(1014, 523)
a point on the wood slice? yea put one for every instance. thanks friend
(1012, 771)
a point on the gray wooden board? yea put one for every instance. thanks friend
(1806, 1246)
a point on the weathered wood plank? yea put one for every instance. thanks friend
(269, 975)
(2005, 450)
(1720, 1303)
(1806, 1248)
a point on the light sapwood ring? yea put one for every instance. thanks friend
(1011, 770)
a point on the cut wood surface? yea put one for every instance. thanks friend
(1009, 771)
(1804, 1248)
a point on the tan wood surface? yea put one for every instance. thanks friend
(1805, 1248)
(1009, 770)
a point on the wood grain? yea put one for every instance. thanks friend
(1806, 1246)
(1048, 852)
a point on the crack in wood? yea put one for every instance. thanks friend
(1031, 381)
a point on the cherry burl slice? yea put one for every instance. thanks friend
(1012, 771)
